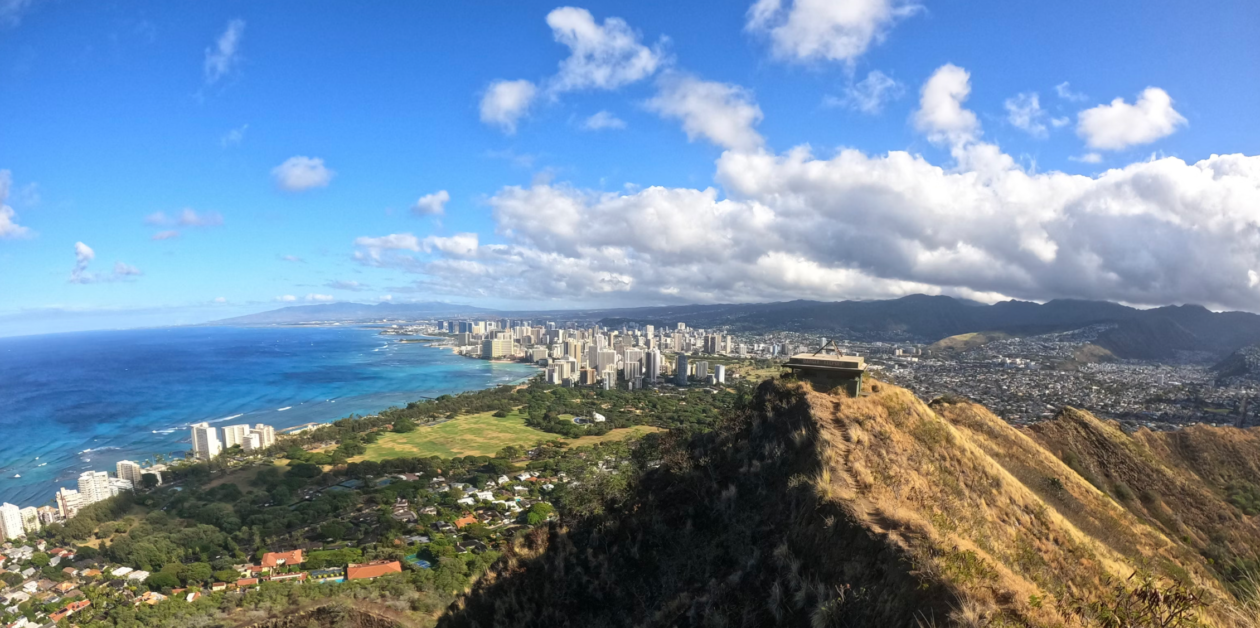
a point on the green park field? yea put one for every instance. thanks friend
(476, 435)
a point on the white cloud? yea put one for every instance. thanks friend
(826, 30)
(855, 225)
(431, 204)
(292, 258)
(11, 11)
(352, 286)
(83, 256)
(220, 300)
(373, 248)
(1024, 112)
(941, 115)
(722, 113)
(505, 102)
(187, 217)
(384, 298)
(288, 298)
(302, 173)
(1088, 158)
(603, 120)
(224, 55)
(1064, 90)
(458, 245)
(8, 218)
(234, 137)
(870, 94)
(1120, 125)
(320, 298)
(169, 234)
(604, 56)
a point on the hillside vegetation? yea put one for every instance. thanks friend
(813, 509)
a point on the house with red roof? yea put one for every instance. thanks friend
(271, 560)
(376, 569)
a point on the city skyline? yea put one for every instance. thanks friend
(164, 166)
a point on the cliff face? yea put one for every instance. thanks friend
(816, 510)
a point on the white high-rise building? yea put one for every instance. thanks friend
(69, 501)
(719, 373)
(30, 519)
(266, 435)
(93, 487)
(130, 471)
(652, 363)
(253, 442)
(205, 441)
(11, 522)
(234, 435)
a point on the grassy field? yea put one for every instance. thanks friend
(476, 435)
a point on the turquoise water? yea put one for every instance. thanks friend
(83, 401)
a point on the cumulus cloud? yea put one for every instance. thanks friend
(287, 298)
(856, 225)
(320, 298)
(83, 256)
(506, 102)
(722, 113)
(603, 56)
(8, 218)
(825, 30)
(1119, 125)
(870, 94)
(225, 54)
(302, 173)
(431, 204)
(603, 120)
(371, 249)
(941, 115)
(458, 245)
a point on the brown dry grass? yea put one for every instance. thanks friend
(986, 509)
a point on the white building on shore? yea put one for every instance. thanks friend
(11, 522)
(205, 441)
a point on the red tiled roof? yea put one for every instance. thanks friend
(247, 582)
(372, 570)
(463, 521)
(272, 559)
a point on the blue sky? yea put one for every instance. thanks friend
(179, 162)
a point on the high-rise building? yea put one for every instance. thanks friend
(635, 357)
(680, 371)
(47, 514)
(69, 501)
(494, 348)
(130, 471)
(253, 442)
(93, 487)
(266, 435)
(11, 522)
(30, 519)
(719, 373)
(233, 435)
(702, 369)
(205, 441)
(605, 359)
(652, 362)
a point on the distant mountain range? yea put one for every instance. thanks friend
(1158, 333)
(349, 312)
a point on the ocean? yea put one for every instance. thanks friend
(83, 401)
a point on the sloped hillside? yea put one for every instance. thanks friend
(811, 509)
(1198, 485)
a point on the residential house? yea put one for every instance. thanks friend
(271, 560)
(373, 569)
